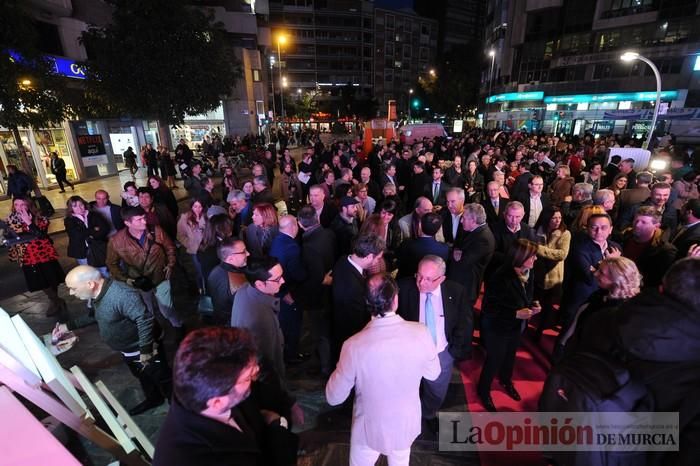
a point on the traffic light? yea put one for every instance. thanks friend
(416, 103)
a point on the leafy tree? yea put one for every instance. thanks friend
(31, 93)
(159, 59)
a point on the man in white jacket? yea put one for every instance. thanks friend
(385, 363)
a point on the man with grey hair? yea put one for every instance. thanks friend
(262, 191)
(604, 198)
(240, 208)
(409, 224)
(581, 196)
(125, 325)
(631, 198)
(471, 256)
(441, 305)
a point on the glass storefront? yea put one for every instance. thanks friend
(38, 144)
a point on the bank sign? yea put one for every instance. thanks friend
(62, 66)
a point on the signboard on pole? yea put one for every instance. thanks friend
(92, 149)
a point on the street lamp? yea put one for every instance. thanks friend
(272, 82)
(281, 39)
(432, 72)
(630, 57)
(492, 54)
(410, 93)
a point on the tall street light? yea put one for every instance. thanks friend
(272, 82)
(492, 54)
(410, 94)
(630, 57)
(281, 39)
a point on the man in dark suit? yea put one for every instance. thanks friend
(631, 198)
(472, 254)
(442, 306)
(417, 182)
(350, 313)
(533, 201)
(58, 168)
(688, 233)
(318, 252)
(507, 231)
(494, 204)
(520, 187)
(286, 250)
(325, 211)
(612, 169)
(413, 250)
(389, 176)
(436, 190)
(587, 250)
(111, 212)
(210, 423)
(452, 216)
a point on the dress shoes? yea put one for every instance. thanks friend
(146, 405)
(511, 391)
(487, 401)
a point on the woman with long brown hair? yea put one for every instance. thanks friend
(87, 234)
(190, 229)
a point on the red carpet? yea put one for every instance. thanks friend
(531, 368)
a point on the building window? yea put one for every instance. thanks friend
(256, 75)
(407, 51)
(390, 21)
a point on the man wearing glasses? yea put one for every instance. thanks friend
(443, 307)
(255, 307)
(227, 278)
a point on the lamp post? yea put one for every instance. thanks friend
(410, 93)
(631, 56)
(272, 82)
(492, 54)
(281, 40)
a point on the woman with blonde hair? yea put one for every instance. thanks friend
(259, 234)
(619, 280)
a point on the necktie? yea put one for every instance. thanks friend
(430, 316)
(436, 190)
(495, 206)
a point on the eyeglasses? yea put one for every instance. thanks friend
(421, 278)
(276, 280)
(245, 251)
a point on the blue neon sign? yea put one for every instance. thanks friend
(515, 96)
(62, 66)
(613, 97)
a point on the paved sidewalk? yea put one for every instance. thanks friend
(112, 184)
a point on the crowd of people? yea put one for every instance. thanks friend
(387, 255)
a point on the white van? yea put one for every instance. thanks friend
(412, 133)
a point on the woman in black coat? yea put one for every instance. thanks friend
(163, 195)
(506, 307)
(87, 234)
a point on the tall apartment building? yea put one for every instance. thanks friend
(557, 65)
(405, 46)
(328, 45)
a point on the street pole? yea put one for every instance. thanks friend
(272, 82)
(279, 55)
(492, 54)
(410, 94)
(631, 56)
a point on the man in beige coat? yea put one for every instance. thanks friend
(385, 363)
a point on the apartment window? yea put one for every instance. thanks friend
(389, 76)
(389, 49)
(390, 21)
(407, 51)
(397, 64)
(256, 75)
(423, 54)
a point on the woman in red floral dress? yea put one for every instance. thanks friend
(37, 257)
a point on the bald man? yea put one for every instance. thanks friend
(287, 251)
(126, 326)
